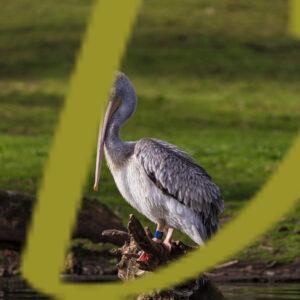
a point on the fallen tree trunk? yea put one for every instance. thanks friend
(16, 209)
(139, 239)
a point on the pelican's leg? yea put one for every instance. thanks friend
(168, 240)
(159, 232)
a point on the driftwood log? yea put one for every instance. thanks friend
(16, 209)
(138, 239)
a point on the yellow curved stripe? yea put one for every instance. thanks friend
(67, 169)
(294, 20)
(75, 139)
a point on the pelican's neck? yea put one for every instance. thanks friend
(112, 139)
(117, 149)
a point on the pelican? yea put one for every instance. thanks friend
(158, 179)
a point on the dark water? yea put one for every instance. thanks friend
(260, 291)
(230, 291)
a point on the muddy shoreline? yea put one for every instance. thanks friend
(95, 266)
(255, 272)
(240, 272)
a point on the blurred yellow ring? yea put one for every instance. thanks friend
(59, 195)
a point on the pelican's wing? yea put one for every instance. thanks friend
(179, 176)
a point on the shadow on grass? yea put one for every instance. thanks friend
(206, 56)
(40, 51)
(35, 52)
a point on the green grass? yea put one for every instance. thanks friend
(218, 78)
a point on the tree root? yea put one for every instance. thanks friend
(138, 239)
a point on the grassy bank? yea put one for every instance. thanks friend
(218, 78)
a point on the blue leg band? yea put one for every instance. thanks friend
(158, 234)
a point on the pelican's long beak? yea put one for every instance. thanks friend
(100, 147)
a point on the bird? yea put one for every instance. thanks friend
(158, 179)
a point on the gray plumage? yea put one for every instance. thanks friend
(176, 174)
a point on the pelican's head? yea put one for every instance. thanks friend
(122, 102)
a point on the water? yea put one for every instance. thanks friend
(230, 291)
(260, 291)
